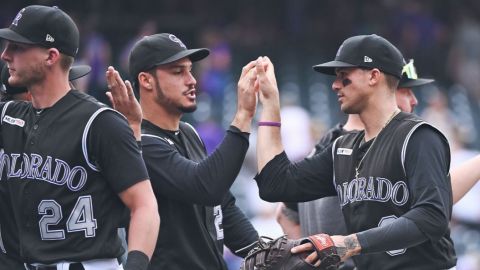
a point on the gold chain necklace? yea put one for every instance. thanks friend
(374, 140)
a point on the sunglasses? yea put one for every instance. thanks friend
(409, 70)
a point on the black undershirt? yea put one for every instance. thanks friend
(186, 180)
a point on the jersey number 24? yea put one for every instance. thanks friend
(80, 219)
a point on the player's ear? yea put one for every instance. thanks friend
(52, 56)
(374, 76)
(145, 80)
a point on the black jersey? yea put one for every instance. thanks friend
(382, 193)
(9, 247)
(64, 178)
(8, 262)
(404, 174)
(198, 213)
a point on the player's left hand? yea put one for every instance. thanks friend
(246, 98)
(123, 99)
(246, 94)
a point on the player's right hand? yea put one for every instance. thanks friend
(267, 83)
(123, 99)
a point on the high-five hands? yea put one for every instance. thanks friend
(266, 83)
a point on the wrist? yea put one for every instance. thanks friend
(270, 114)
(271, 101)
(242, 121)
(346, 246)
(244, 115)
(137, 131)
(353, 245)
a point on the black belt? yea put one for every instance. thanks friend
(73, 266)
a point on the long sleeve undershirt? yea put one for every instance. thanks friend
(205, 182)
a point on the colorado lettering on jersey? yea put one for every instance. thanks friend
(376, 189)
(34, 166)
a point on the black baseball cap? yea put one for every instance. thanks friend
(368, 51)
(410, 77)
(75, 73)
(48, 27)
(160, 49)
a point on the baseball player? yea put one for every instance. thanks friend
(324, 215)
(71, 164)
(198, 213)
(10, 254)
(323, 220)
(392, 178)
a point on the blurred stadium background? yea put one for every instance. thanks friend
(442, 36)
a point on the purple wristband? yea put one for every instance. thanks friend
(270, 124)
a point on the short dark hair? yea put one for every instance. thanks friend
(392, 81)
(66, 61)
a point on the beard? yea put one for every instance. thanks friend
(348, 109)
(170, 104)
(189, 109)
(29, 76)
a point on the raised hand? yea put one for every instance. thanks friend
(246, 98)
(123, 100)
(269, 140)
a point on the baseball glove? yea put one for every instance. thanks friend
(275, 254)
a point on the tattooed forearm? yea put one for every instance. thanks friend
(341, 251)
(347, 246)
(351, 244)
